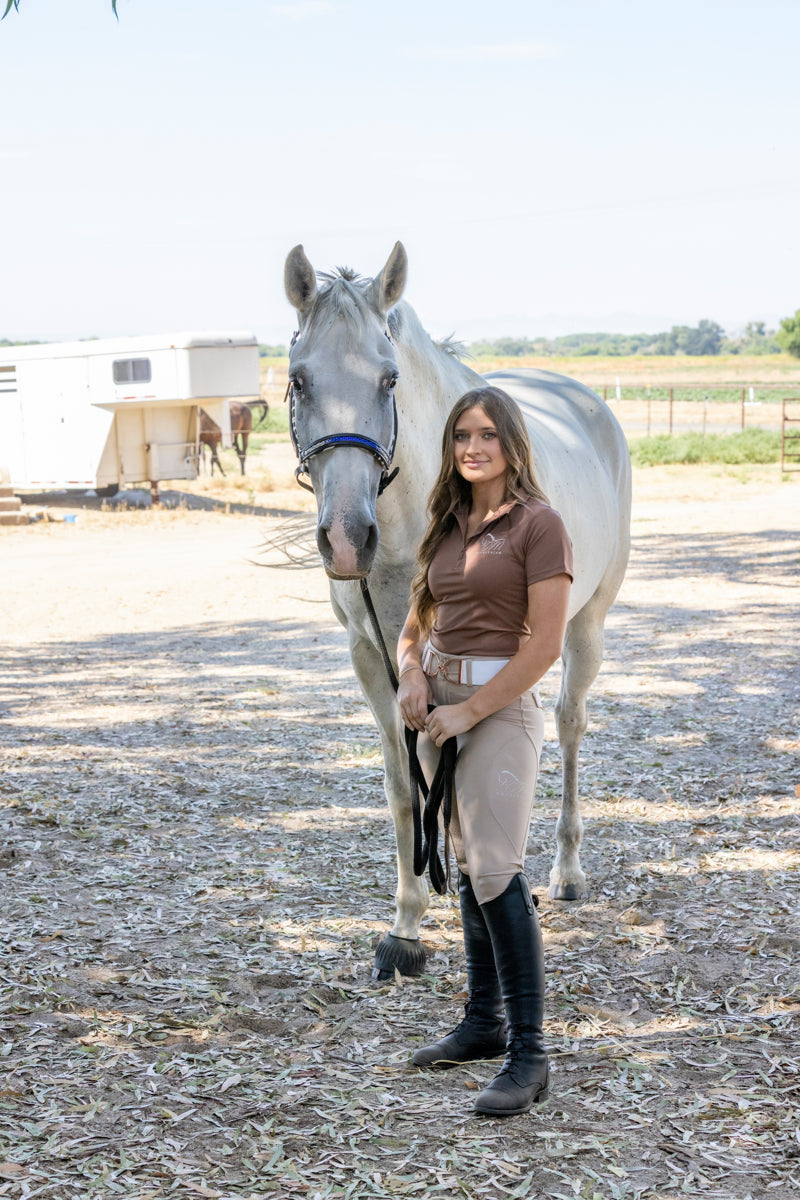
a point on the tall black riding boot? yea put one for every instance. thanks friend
(524, 1078)
(482, 1033)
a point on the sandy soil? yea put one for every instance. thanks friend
(196, 861)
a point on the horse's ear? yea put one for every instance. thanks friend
(388, 287)
(299, 280)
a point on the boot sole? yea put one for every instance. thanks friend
(447, 1064)
(540, 1098)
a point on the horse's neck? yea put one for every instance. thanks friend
(431, 380)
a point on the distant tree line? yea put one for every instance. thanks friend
(788, 336)
(707, 337)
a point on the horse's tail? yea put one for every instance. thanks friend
(262, 404)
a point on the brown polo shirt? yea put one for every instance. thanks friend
(480, 584)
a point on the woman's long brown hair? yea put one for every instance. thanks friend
(452, 491)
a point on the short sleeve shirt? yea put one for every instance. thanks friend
(480, 584)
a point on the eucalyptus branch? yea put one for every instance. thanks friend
(15, 4)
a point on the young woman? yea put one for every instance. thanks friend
(487, 619)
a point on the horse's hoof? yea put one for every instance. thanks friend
(567, 891)
(405, 955)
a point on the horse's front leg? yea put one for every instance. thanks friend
(402, 948)
(581, 659)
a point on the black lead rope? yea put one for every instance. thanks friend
(439, 796)
(376, 629)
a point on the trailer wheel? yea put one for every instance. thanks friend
(106, 492)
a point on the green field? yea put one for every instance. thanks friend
(751, 446)
(646, 381)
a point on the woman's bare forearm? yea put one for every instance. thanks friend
(410, 645)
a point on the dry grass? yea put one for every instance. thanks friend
(661, 370)
(648, 369)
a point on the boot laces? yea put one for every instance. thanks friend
(524, 1042)
(474, 1016)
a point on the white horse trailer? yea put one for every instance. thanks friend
(114, 412)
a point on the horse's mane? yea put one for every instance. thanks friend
(452, 346)
(343, 294)
(407, 329)
(346, 273)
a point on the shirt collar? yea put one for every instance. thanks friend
(461, 514)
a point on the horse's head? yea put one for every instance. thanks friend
(342, 373)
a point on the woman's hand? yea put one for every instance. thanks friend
(414, 696)
(448, 720)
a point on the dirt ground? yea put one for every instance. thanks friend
(196, 861)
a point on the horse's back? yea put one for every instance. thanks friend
(583, 464)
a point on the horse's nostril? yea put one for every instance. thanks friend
(370, 543)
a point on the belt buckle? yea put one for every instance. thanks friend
(442, 666)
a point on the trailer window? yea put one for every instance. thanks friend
(132, 370)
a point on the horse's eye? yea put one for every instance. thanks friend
(297, 382)
(391, 382)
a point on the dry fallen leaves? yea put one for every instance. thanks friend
(196, 860)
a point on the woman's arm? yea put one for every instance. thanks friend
(548, 603)
(414, 693)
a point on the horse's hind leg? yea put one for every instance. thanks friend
(581, 660)
(241, 447)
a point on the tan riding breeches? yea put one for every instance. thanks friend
(496, 769)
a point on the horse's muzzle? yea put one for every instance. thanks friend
(347, 547)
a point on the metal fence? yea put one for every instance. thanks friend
(644, 410)
(790, 435)
(648, 409)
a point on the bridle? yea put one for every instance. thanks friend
(382, 454)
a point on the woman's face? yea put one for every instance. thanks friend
(479, 457)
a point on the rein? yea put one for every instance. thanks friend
(439, 796)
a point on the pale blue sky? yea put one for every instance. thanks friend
(586, 164)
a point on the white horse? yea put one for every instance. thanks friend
(362, 365)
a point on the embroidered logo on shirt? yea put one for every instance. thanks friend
(489, 544)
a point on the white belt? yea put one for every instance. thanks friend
(460, 670)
